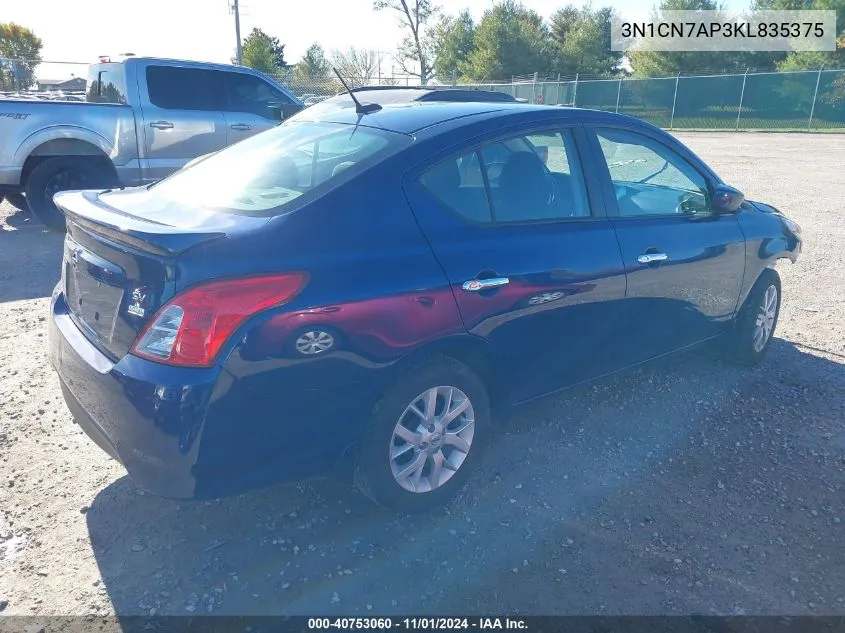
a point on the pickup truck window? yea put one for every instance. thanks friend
(248, 93)
(175, 88)
(263, 175)
(105, 84)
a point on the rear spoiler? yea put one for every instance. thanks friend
(85, 209)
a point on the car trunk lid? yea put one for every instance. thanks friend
(119, 267)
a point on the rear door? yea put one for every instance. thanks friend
(685, 264)
(183, 117)
(533, 263)
(253, 105)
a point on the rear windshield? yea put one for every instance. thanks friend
(265, 174)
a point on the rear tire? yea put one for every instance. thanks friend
(755, 326)
(449, 426)
(62, 173)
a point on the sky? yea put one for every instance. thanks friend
(204, 30)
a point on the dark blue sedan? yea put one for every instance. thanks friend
(375, 280)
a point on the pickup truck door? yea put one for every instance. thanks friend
(182, 117)
(253, 105)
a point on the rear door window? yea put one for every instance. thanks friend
(175, 88)
(523, 178)
(459, 183)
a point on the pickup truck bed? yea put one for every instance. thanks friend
(144, 118)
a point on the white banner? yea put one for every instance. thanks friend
(806, 30)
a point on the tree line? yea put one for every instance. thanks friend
(511, 39)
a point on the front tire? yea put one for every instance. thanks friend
(755, 326)
(62, 173)
(424, 437)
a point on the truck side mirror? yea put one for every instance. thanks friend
(277, 112)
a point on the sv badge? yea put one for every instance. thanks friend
(138, 307)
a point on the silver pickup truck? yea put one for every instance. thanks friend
(142, 119)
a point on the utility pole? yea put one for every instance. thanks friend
(238, 31)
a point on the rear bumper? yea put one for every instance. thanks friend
(146, 415)
(200, 433)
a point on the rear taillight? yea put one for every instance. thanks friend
(190, 329)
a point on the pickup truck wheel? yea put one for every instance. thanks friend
(62, 173)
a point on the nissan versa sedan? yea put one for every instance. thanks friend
(376, 280)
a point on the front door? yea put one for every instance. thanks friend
(685, 264)
(253, 105)
(182, 117)
(533, 264)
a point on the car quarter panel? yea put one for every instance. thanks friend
(373, 287)
(57, 128)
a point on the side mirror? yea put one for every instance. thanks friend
(281, 112)
(726, 199)
(277, 112)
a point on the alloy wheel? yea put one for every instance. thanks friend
(431, 439)
(766, 314)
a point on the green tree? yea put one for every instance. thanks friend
(21, 49)
(659, 63)
(836, 96)
(313, 74)
(583, 42)
(313, 64)
(263, 52)
(414, 55)
(810, 60)
(452, 43)
(510, 40)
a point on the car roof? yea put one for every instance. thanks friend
(413, 117)
(409, 94)
(434, 117)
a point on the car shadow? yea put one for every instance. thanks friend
(30, 258)
(20, 218)
(633, 495)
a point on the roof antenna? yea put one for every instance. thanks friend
(359, 107)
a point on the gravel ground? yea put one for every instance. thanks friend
(688, 486)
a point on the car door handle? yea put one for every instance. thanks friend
(475, 285)
(161, 125)
(241, 126)
(650, 258)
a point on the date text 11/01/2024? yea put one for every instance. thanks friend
(412, 624)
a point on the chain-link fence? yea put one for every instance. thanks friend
(787, 101)
(804, 100)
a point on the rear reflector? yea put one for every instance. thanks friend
(190, 329)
